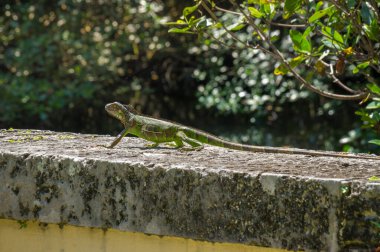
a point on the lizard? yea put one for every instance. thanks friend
(162, 131)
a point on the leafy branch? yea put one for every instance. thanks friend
(334, 39)
(301, 42)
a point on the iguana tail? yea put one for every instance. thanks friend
(210, 139)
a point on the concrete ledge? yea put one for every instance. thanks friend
(284, 201)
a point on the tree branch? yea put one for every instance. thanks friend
(279, 55)
(336, 80)
(246, 44)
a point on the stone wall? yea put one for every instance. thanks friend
(297, 202)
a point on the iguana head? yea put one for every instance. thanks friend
(124, 113)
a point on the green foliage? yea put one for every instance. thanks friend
(300, 42)
(332, 42)
(60, 60)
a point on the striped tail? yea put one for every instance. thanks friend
(210, 139)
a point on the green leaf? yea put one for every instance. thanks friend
(319, 14)
(268, 9)
(283, 69)
(374, 88)
(179, 30)
(366, 13)
(292, 5)
(373, 105)
(217, 25)
(178, 22)
(361, 66)
(274, 38)
(319, 5)
(332, 33)
(375, 141)
(236, 27)
(296, 61)
(188, 10)
(307, 32)
(333, 37)
(364, 116)
(255, 12)
(202, 22)
(301, 43)
(372, 30)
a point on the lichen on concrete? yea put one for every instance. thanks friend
(287, 201)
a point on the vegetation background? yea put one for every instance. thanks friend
(62, 61)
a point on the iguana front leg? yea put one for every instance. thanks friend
(117, 139)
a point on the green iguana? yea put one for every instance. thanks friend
(162, 131)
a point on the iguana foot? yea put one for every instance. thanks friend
(171, 145)
(198, 148)
(153, 145)
(105, 146)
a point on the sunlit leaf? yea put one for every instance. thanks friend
(307, 31)
(373, 105)
(374, 88)
(203, 22)
(321, 13)
(179, 30)
(236, 27)
(255, 12)
(283, 69)
(274, 38)
(301, 43)
(188, 10)
(375, 141)
(360, 67)
(332, 34)
(332, 39)
(178, 22)
(268, 9)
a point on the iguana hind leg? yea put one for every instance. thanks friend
(178, 143)
(195, 145)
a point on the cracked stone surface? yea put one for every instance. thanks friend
(276, 200)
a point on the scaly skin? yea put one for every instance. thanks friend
(161, 131)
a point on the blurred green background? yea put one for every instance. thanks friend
(62, 61)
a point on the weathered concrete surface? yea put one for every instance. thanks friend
(285, 201)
